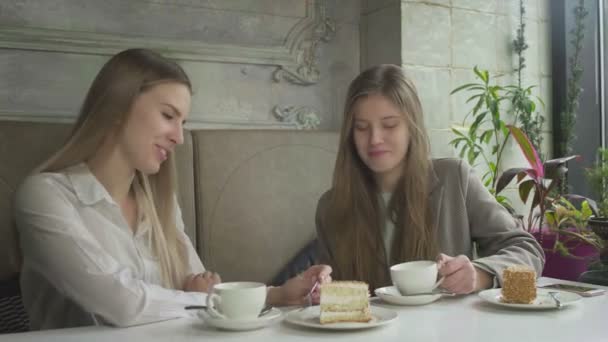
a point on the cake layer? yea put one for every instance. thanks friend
(336, 302)
(344, 288)
(353, 305)
(346, 316)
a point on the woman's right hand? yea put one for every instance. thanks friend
(201, 282)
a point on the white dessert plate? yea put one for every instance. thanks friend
(543, 300)
(391, 295)
(309, 317)
(241, 324)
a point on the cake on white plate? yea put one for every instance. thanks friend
(345, 301)
(519, 285)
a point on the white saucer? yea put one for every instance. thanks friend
(309, 317)
(390, 294)
(543, 300)
(242, 324)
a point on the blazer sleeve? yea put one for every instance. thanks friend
(501, 240)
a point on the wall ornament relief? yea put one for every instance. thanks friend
(304, 41)
(301, 117)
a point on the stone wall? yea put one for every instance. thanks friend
(440, 41)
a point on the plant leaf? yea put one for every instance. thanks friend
(555, 168)
(528, 149)
(478, 104)
(473, 98)
(482, 74)
(464, 86)
(457, 132)
(486, 136)
(506, 178)
(524, 189)
(477, 122)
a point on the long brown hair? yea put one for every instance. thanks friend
(354, 215)
(108, 101)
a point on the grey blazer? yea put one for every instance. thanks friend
(465, 212)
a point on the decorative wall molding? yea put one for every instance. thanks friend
(296, 59)
(301, 117)
(305, 40)
(194, 120)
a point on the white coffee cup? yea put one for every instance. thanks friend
(415, 277)
(236, 300)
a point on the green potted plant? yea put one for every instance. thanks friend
(597, 176)
(574, 244)
(554, 221)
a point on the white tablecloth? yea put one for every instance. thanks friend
(451, 319)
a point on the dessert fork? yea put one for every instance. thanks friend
(309, 295)
(558, 303)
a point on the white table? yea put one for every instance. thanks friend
(465, 318)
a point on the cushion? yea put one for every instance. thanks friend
(13, 317)
(305, 258)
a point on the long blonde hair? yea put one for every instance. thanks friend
(108, 101)
(354, 215)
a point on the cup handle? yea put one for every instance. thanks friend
(212, 300)
(438, 283)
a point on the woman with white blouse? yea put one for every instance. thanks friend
(101, 232)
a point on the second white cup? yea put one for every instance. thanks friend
(415, 277)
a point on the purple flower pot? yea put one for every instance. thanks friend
(565, 267)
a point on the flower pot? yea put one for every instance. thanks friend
(597, 277)
(565, 267)
(599, 226)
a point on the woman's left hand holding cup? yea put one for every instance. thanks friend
(201, 282)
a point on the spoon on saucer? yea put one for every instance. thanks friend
(195, 307)
(265, 310)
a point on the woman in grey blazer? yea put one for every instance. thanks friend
(391, 203)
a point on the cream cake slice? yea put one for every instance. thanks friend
(345, 301)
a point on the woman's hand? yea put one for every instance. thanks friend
(201, 282)
(296, 289)
(461, 276)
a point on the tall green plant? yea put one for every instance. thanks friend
(574, 90)
(531, 121)
(487, 135)
(488, 129)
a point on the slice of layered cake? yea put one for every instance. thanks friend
(345, 301)
(519, 285)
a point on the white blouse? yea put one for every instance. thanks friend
(82, 263)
